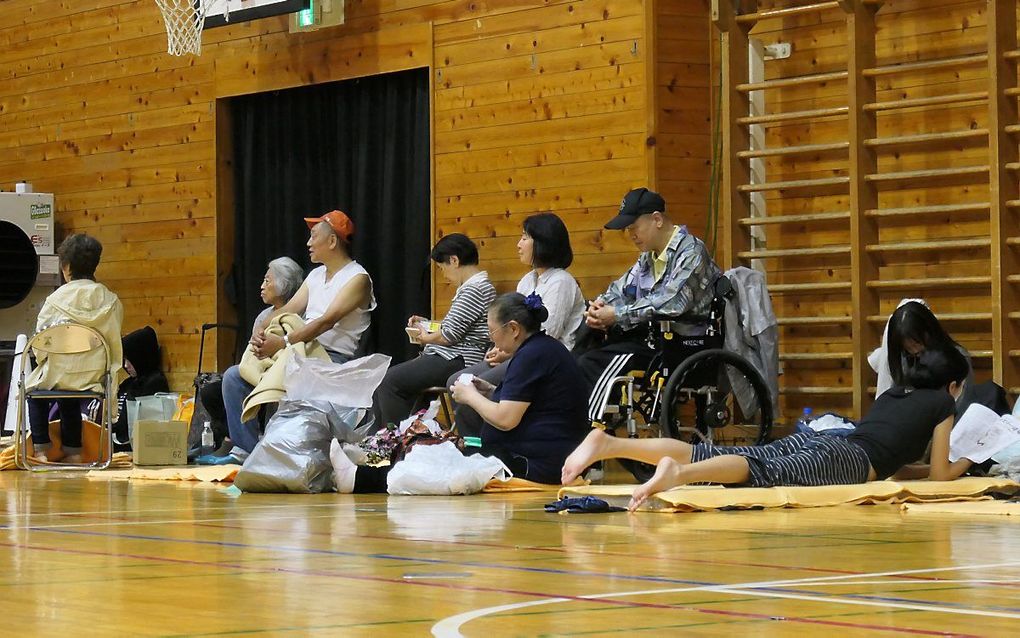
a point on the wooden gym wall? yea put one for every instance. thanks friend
(537, 105)
(889, 172)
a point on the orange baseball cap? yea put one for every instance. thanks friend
(337, 220)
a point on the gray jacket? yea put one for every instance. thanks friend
(753, 333)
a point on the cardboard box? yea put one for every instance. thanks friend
(160, 443)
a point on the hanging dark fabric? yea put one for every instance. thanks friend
(360, 146)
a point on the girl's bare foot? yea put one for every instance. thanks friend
(592, 449)
(668, 474)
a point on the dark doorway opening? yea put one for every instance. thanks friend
(361, 146)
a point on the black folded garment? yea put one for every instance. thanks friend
(581, 505)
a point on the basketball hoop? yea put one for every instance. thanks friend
(184, 21)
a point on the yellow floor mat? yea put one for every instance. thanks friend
(205, 473)
(495, 486)
(695, 498)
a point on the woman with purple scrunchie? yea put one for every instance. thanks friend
(534, 302)
(532, 420)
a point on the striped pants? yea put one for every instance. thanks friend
(602, 365)
(805, 458)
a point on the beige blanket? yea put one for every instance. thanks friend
(267, 375)
(693, 498)
(514, 484)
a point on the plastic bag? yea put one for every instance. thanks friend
(158, 407)
(349, 384)
(830, 423)
(293, 455)
(443, 470)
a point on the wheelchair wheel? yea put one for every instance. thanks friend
(716, 397)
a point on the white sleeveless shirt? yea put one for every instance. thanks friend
(344, 336)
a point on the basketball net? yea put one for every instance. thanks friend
(184, 21)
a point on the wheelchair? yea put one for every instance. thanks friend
(692, 390)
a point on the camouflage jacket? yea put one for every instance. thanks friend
(685, 288)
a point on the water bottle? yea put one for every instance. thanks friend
(803, 421)
(208, 440)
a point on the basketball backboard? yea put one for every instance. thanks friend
(224, 12)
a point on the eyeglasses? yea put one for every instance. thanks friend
(493, 332)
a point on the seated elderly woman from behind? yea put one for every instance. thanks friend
(84, 301)
(282, 279)
(533, 419)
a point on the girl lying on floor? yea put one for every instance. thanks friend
(533, 419)
(893, 434)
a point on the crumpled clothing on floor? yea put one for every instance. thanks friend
(581, 505)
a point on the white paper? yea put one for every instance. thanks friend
(981, 433)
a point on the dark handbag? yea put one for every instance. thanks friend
(208, 397)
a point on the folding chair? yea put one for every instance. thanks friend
(67, 340)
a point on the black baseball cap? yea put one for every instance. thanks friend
(636, 203)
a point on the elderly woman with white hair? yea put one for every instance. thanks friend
(282, 280)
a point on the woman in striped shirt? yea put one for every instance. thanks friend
(460, 341)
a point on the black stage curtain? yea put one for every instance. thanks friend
(360, 146)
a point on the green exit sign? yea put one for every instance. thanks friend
(319, 14)
(306, 18)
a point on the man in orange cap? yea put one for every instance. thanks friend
(336, 301)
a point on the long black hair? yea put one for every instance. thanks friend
(936, 368)
(914, 320)
(551, 247)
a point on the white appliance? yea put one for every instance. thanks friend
(33, 214)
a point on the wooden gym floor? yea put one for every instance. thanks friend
(90, 558)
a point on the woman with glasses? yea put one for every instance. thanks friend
(533, 419)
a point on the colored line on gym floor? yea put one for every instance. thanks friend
(450, 627)
(544, 597)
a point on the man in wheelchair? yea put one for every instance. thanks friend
(673, 277)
